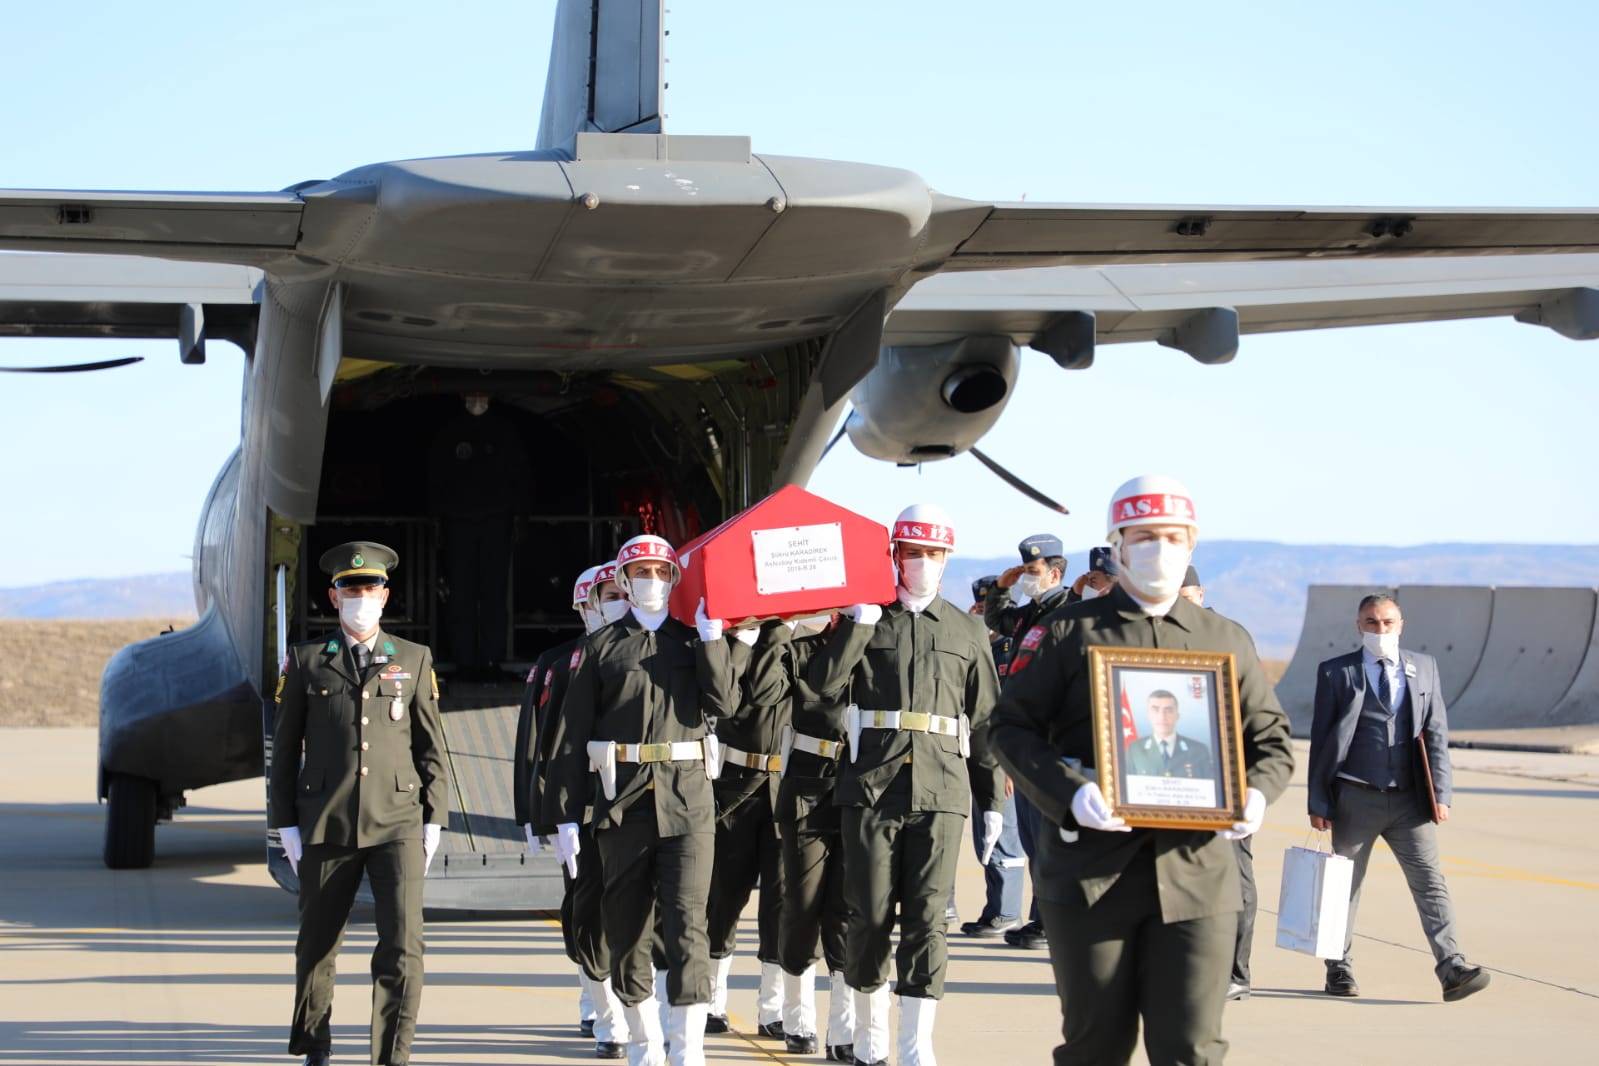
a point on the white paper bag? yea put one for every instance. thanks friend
(1313, 910)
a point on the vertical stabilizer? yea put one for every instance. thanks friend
(606, 68)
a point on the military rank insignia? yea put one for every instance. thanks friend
(577, 658)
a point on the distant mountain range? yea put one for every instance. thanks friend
(146, 596)
(1259, 583)
(1262, 584)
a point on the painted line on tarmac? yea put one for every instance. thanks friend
(736, 1027)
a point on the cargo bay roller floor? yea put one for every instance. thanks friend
(192, 960)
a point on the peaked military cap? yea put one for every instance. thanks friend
(1040, 546)
(1191, 579)
(981, 585)
(360, 562)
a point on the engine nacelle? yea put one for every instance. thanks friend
(932, 401)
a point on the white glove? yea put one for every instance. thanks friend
(1254, 815)
(866, 614)
(1091, 811)
(993, 826)
(430, 844)
(534, 844)
(293, 849)
(746, 636)
(567, 846)
(710, 628)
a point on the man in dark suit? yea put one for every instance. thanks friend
(1368, 780)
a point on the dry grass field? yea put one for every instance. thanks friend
(1274, 669)
(50, 670)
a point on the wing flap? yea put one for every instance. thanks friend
(119, 296)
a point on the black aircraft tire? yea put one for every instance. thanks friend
(130, 823)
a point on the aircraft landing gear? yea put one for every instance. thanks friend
(131, 811)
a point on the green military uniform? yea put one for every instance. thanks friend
(373, 774)
(746, 794)
(1189, 758)
(1139, 923)
(637, 686)
(905, 795)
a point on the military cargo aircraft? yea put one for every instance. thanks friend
(682, 321)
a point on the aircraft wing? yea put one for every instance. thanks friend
(1021, 234)
(1176, 303)
(245, 228)
(123, 296)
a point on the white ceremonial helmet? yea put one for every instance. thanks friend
(926, 524)
(605, 572)
(580, 589)
(1150, 500)
(644, 546)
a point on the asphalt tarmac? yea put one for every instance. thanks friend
(191, 960)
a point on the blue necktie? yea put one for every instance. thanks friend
(1385, 688)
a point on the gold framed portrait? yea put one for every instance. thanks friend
(1167, 736)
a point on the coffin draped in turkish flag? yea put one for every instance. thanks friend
(793, 553)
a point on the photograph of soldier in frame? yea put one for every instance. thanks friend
(1167, 733)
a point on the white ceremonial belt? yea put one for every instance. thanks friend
(911, 721)
(752, 760)
(677, 751)
(827, 749)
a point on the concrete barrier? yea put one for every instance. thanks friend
(1328, 630)
(1580, 704)
(1537, 641)
(1450, 623)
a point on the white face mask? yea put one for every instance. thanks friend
(1156, 568)
(1028, 585)
(611, 610)
(360, 614)
(591, 619)
(650, 593)
(1381, 645)
(921, 576)
(1091, 593)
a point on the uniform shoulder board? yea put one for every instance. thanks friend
(533, 671)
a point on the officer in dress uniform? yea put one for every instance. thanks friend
(634, 719)
(919, 683)
(537, 732)
(1141, 922)
(1166, 752)
(370, 799)
(746, 839)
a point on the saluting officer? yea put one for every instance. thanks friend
(370, 798)
(635, 711)
(1040, 577)
(1140, 922)
(919, 681)
(815, 910)
(537, 732)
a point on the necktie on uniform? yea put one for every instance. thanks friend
(363, 656)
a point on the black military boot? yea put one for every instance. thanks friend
(799, 1043)
(608, 1049)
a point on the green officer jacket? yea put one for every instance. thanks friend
(1189, 758)
(1045, 716)
(936, 661)
(634, 686)
(374, 754)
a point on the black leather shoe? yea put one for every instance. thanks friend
(1028, 936)
(841, 1053)
(863, 1062)
(1341, 983)
(772, 1030)
(605, 1049)
(1462, 981)
(799, 1044)
(988, 928)
(586, 1027)
(716, 1023)
(318, 1058)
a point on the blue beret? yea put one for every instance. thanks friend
(1040, 546)
(981, 585)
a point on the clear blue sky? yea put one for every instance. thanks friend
(1469, 432)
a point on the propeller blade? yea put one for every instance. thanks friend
(73, 368)
(1017, 483)
(836, 438)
